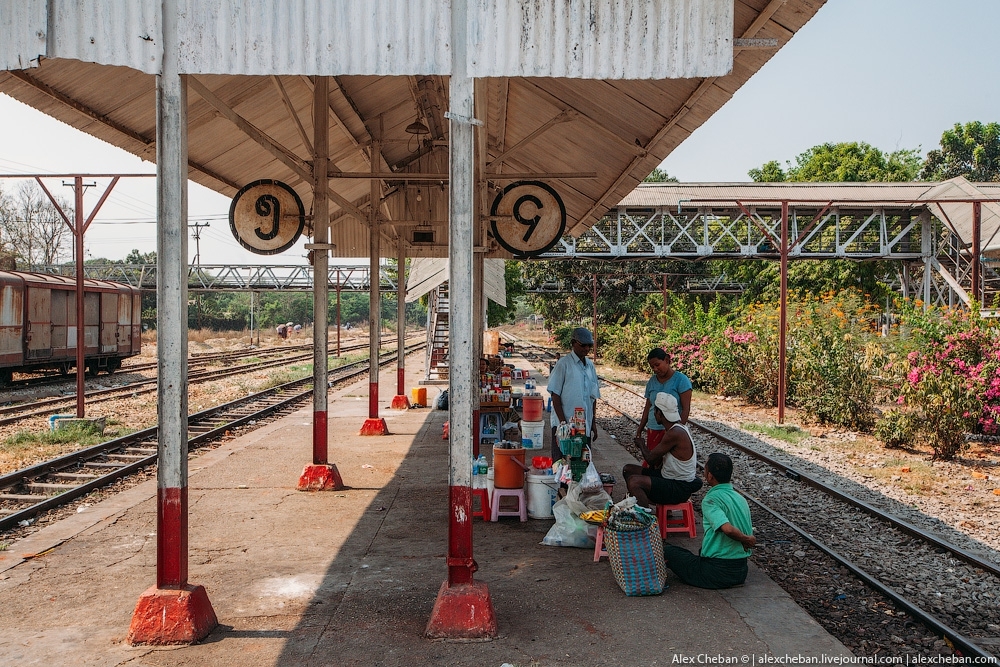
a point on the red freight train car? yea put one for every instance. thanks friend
(38, 323)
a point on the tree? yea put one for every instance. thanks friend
(497, 314)
(31, 227)
(855, 162)
(971, 150)
(659, 176)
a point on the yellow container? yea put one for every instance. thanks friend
(418, 395)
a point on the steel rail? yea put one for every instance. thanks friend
(45, 406)
(958, 640)
(80, 458)
(43, 378)
(895, 521)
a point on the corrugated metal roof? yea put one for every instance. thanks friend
(601, 39)
(619, 129)
(703, 194)
(316, 37)
(24, 32)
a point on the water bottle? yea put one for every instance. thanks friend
(484, 469)
(475, 474)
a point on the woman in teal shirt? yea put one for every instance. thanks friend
(665, 379)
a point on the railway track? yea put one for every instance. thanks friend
(881, 571)
(882, 550)
(45, 486)
(195, 360)
(44, 407)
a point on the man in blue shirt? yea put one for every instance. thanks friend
(722, 562)
(573, 384)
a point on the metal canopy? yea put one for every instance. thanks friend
(592, 134)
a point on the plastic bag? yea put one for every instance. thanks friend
(441, 403)
(591, 480)
(569, 529)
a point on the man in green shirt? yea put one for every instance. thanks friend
(722, 562)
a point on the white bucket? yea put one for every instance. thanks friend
(542, 491)
(533, 435)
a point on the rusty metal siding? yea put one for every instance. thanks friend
(316, 37)
(11, 319)
(601, 39)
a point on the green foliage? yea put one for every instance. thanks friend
(770, 172)
(854, 161)
(629, 344)
(659, 176)
(835, 361)
(787, 432)
(81, 433)
(971, 150)
(896, 429)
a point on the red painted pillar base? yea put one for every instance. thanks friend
(463, 611)
(374, 426)
(400, 402)
(172, 616)
(320, 477)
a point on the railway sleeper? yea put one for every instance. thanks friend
(127, 457)
(21, 497)
(74, 475)
(45, 487)
(101, 464)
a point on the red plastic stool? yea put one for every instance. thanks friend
(599, 550)
(484, 504)
(685, 524)
(522, 509)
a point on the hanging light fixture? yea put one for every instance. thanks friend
(417, 127)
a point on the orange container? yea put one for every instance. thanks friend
(508, 468)
(532, 408)
(419, 395)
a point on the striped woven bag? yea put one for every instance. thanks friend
(637, 559)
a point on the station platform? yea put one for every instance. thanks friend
(350, 577)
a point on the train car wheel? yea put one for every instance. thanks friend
(64, 369)
(6, 377)
(92, 369)
(113, 365)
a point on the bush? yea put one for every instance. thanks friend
(628, 345)
(895, 429)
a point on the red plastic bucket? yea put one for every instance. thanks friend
(532, 408)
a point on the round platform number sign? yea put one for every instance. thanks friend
(267, 217)
(528, 218)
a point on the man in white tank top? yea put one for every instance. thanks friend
(672, 475)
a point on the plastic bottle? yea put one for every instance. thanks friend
(476, 482)
(484, 468)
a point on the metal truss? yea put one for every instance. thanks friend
(237, 277)
(750, 232)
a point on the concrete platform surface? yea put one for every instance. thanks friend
(349, 577)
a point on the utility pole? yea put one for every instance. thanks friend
(196, 227)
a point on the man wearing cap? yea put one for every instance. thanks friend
(722, 561)
(672, 475)
(573, 384)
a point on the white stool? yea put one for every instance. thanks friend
(499, 494)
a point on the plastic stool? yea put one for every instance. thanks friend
(484, 504)
(599, 550)
(685, 524)
(522, 509)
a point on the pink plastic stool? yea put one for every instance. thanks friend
(685, 524)
(484, 504)
(599, 550)
(522, 509)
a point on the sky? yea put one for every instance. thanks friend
(892, 73)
